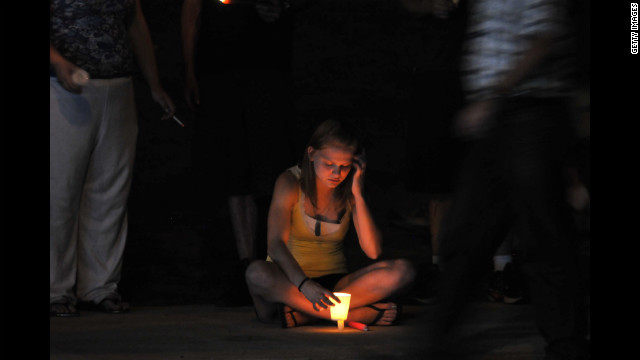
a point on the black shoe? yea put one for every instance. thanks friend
(428, 289)
(506, 286)
(513, 285)
(496, 286)
(112, 304)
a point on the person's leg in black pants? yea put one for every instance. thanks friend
(513, 178)
(538, 139)
(475, 225)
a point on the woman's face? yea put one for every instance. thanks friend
(331, 164)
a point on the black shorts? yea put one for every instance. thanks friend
(329, 281)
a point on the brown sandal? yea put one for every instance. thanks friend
(282, 315)
(302, 319)
(380, 311)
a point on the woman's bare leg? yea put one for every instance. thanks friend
(373, 284)
(269, 286)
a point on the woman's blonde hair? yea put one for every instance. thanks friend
(335, 133)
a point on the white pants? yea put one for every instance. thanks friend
(92, 148)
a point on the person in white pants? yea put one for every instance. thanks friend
(92, 149)
(93, 132)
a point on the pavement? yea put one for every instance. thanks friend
(489, 331)
(185, 318)
(188, 301)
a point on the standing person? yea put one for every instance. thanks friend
(93, 130)
(237, 64)
(516, 118)
(312, 208)
(436, 95)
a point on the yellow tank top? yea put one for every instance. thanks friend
(317, 255)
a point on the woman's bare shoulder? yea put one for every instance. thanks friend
(287, 187)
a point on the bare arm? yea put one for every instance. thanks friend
(284, 198)
(64, 68)
(144, 53)
(285, 195)
(190, 24)
(369, 235)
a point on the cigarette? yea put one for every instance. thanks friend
(358, 325)
(178, 121)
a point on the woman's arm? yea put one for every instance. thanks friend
(190, 23)
(143, 50)
(63, 68)
(369, 235)
(285, 196)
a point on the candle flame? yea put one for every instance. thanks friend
(226, 2)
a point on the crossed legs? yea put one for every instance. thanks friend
(372, 284)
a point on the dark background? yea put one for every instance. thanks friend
(350, 57)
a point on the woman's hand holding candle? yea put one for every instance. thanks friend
(318, 295)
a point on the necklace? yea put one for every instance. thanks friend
(318, 229)
(319, 217)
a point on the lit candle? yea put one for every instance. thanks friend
(340, 310)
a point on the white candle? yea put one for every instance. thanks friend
(340, 311)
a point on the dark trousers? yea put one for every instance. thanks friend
(513, 179)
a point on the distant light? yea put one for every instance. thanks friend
(238, 2)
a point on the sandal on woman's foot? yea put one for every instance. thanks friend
(62, 310)
(381, 313)
(282, 315)
(297, 317)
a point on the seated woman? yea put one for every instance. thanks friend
(311, 210)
